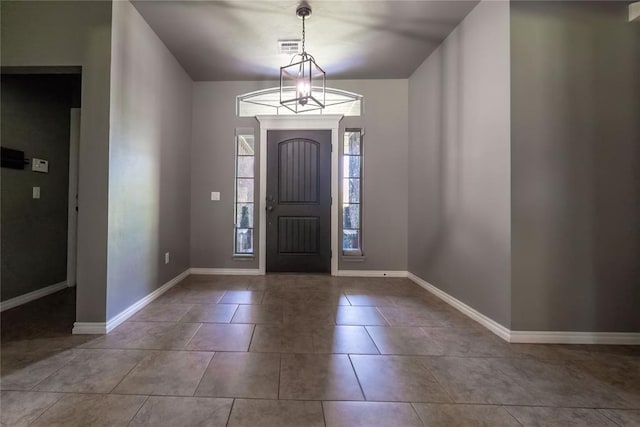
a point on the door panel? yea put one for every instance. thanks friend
(298, 178)
(298, 235)
(299, 201)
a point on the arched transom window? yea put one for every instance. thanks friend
(267, 102)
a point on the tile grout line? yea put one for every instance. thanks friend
(230, 322)
(253, 332)
(184, 347)
(511, 415)
(47, 408)
(45, 411)
(138, 411)
(604, 414)
(383, 316)
(233, 402)
(428, 402)
(131, 370)
(56, 371)
(446, 391)
(415, 411)
(203, 374)
(324, 416)
(234, 314)
(372, 340)
(222, 296)
(364, 396)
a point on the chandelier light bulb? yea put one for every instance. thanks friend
(303, 88)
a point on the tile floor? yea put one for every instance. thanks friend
(301, 350)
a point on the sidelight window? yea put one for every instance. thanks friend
(244, 192)
(352, 193)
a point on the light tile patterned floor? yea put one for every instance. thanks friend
(301, 350)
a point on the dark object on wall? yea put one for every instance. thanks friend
(13, 159)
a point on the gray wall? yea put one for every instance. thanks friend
(576, 166)
(36, 119)
(213, 168)
(385, 193)
(149, 165)
(75, 34)
(385, 172)
(459, 164)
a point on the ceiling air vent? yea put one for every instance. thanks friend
(290, 47)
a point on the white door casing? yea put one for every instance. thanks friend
(321, 122)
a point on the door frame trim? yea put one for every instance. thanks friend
(325, 122)
(72, 208)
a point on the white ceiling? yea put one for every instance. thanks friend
(237, 40)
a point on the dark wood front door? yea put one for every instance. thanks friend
(299, 201)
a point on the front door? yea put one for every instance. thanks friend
(299, 201)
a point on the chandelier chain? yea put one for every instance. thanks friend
(303, 34)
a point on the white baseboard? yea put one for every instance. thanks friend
(530, 337)
(226, 271)
(103, 328)
(371, 273)
(557, 337)
(474, 314)
(256, 272)
(634, 11)
(89, 328)
(31, 296)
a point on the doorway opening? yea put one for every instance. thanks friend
(298, 201)
(40, 126)
(307, 220)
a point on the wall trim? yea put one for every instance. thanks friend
(31, 296)
(72, 199)
(559, 337)
(104, 328)
(530, 337)
(372, 273)
(634, 12)
(474, 314)
(227, 271)
(89, 328)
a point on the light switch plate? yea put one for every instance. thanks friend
(166, 257)
(215, 195)
(36, 192)
(39, 165)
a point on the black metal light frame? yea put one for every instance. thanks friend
(302, 83)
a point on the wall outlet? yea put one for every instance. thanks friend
(166, 257)
(36, 192)
(215, 195)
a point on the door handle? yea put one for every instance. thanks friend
(269, 208)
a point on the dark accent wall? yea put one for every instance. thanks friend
(575, 97)
(36, 120)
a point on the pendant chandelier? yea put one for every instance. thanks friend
(302, 82)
